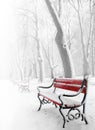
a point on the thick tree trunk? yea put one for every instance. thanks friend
(64, 51)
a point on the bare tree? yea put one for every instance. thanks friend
(38, 44)
(63, 48)
(21, 51)
(85, 58)
(92, 14)
(51, 64)
(32, 15)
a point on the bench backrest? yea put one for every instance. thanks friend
(70, 84)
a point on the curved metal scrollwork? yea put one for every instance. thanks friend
(45, 101)
(73, 114)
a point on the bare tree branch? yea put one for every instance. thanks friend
(90, 28)
(71, 2)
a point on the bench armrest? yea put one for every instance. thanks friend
(73, 95)
(79, 91)
(45, 87)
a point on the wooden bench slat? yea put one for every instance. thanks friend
(70, 87)
(69, 81)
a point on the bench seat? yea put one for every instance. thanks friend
(67, 102)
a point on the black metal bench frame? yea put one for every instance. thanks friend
(80, 86)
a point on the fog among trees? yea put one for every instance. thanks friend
(49, 38)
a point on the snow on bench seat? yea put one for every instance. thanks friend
(53, 97)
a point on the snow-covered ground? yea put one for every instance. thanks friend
(18, 111)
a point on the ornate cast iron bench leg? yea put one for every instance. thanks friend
(83, 115)
(64, 119)
(71, 116)
(40, 103)
(43, 101)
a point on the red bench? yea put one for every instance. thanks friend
(67, 98)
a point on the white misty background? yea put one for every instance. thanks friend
(30, 38)
(7, 35)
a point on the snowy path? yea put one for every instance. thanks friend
(18, 111)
